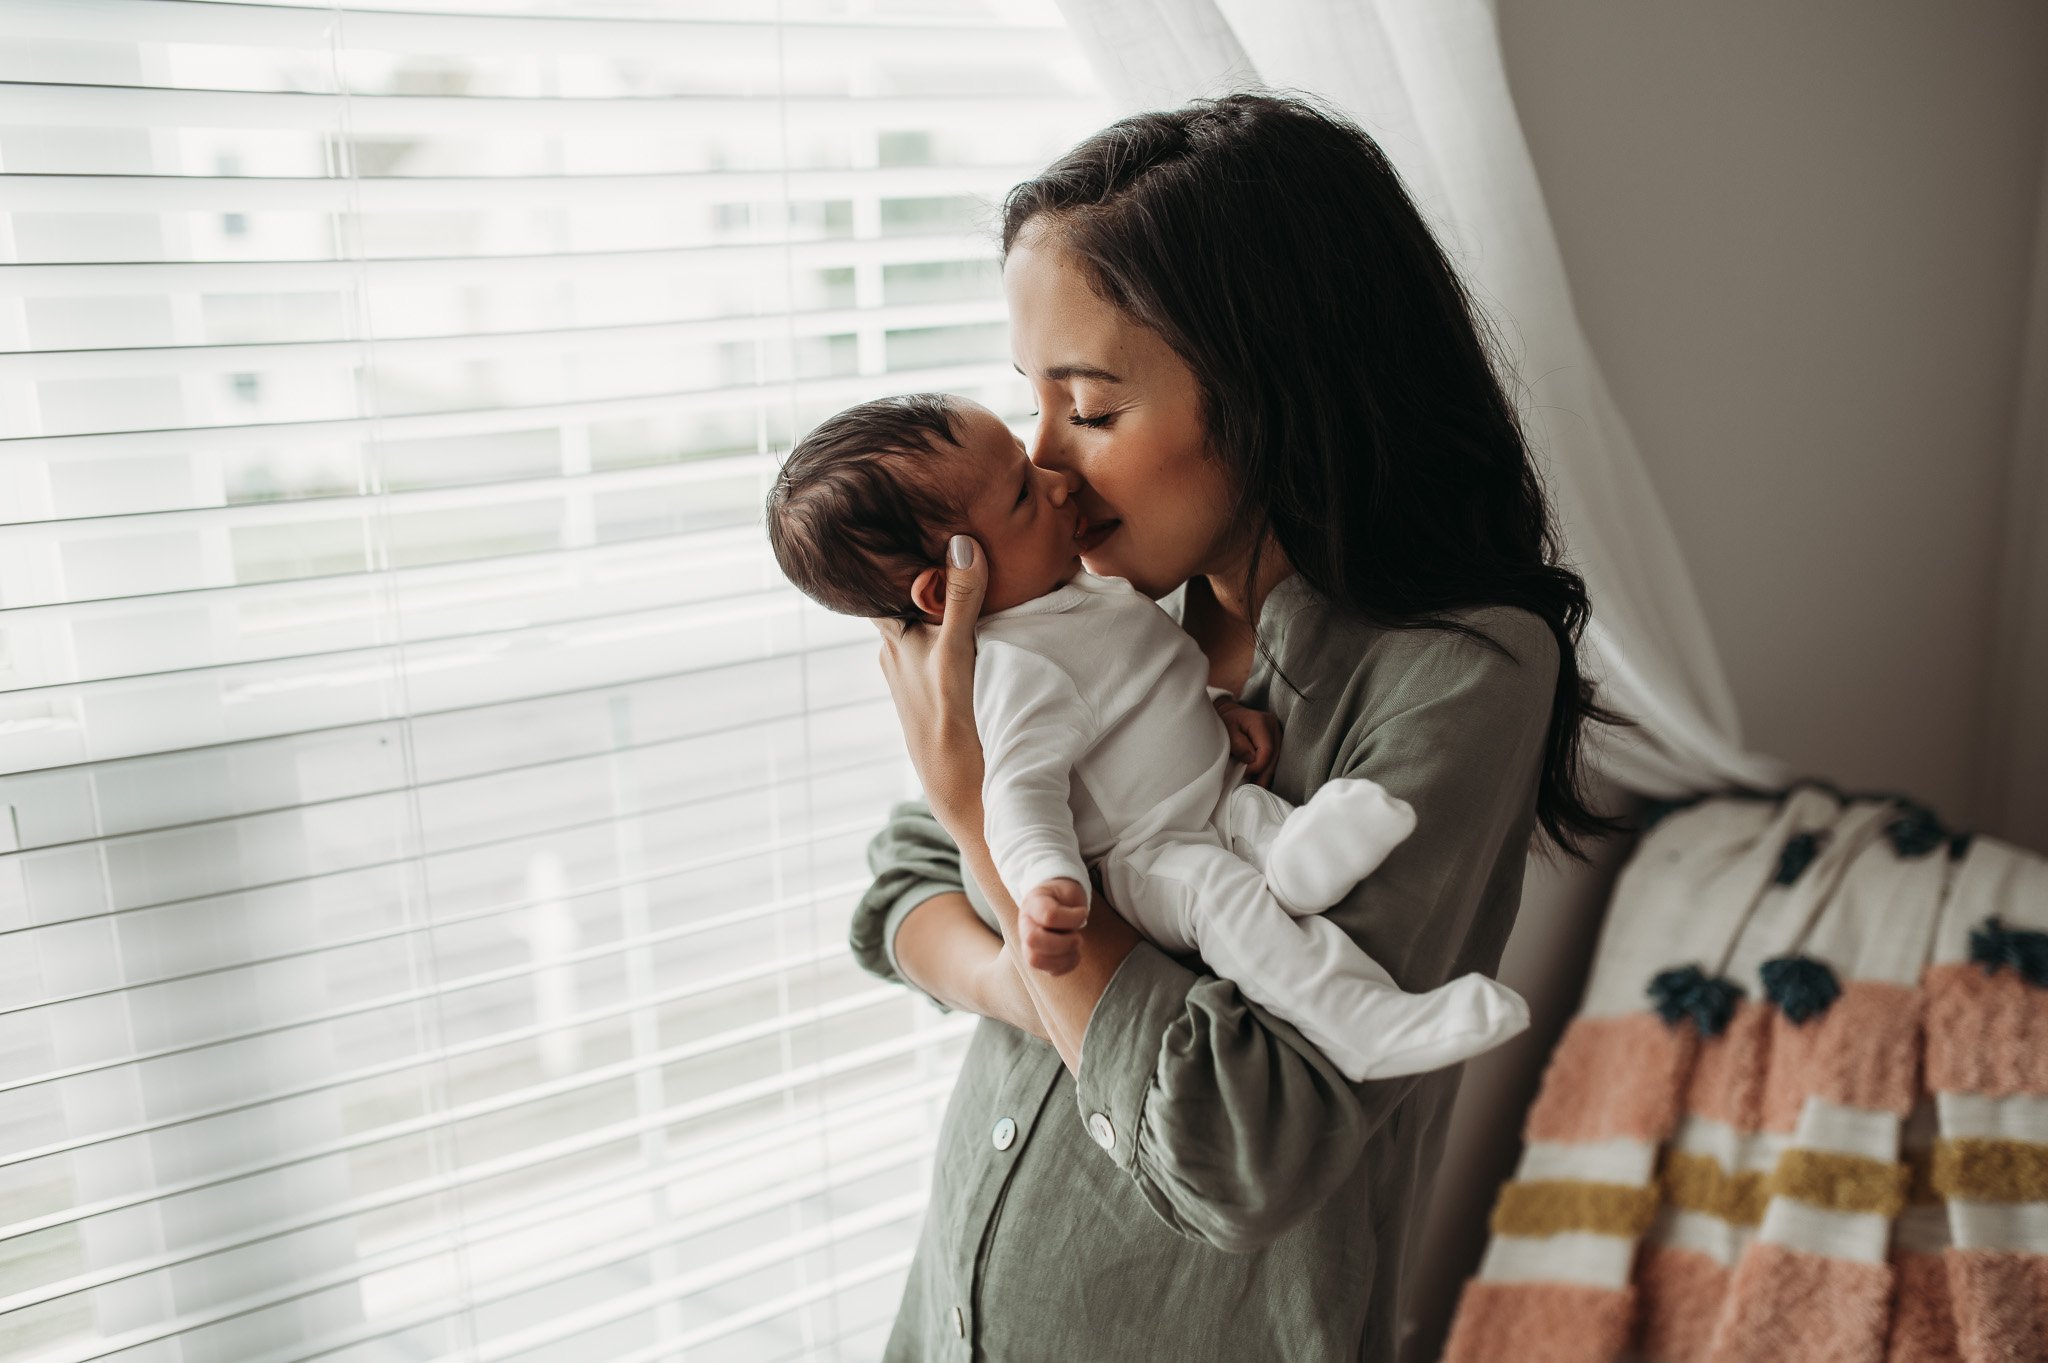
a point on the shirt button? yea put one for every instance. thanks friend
(1102, 1131)
(1005, 1134)
(959, 1323)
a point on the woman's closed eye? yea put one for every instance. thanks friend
(1093, 423)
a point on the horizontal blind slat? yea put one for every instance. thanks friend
(457, 849)
(719, 1101)
(418, 574)
(728, 545)
(210, 1043)
(68, 529)
(439, 1055)
(556, 1271)
(612, 683)
(149, 361)
(886, 1266)
(844, 707)
(610, 949)
(43, 193)
(132, 278)
(643, 1299)
(131, 106)
(577, 1322)
(502, 419)
(785, 1131)
(268, 25)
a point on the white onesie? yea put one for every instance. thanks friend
(1101, 743)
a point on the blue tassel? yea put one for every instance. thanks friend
(1687, 992)
(1915, 831)
(1801, 986)
(1995, 946)
(1800, 850)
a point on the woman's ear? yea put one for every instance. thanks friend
(928, 594)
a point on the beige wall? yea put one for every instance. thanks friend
(1799, 237)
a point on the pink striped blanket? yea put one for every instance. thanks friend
(1802, 1113)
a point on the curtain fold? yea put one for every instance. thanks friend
(1425, 78)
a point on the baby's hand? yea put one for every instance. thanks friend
(1254, 739)
(1049, 923)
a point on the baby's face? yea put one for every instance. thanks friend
(1021, 514)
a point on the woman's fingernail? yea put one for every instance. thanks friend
(961, 551)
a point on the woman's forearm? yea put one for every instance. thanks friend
(1064, 1003)
(944, 948)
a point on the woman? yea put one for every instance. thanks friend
(1271, 390)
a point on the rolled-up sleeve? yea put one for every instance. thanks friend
(912, 858)
(1231, 1124)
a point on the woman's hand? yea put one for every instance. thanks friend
(930, 671)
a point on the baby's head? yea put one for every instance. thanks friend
(861, 512)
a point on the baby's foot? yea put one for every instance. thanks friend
(1426, 1032)
(1334, 841)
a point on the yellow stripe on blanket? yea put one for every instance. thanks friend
(1555, 1206)
(1842, 1183)
(1819, 1178)
(1977, 1170)
(1698, 1183)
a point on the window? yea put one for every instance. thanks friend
(427, 821)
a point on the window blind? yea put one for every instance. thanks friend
(428, 823)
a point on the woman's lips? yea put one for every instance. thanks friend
(1091, 534)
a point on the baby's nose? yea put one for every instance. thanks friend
(1062, 488)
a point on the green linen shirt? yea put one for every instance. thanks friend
(1211, 1187)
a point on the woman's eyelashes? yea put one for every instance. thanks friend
(1093, 423)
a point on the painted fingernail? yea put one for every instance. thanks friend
(960, 552)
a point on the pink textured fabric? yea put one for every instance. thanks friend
(1728, 1077)
(1680, 1293)
(1985, 1033)
(1612, 1077)
(2001, 1305)
(1539, 1323)
(1863, 1052)
(1787, 1305)
(1923, 1324)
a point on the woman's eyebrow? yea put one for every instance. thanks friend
(1076, 371)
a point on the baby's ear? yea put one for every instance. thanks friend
(928, 594)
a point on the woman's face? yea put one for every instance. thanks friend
(1120, 411)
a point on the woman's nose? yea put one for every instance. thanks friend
(1045, 448)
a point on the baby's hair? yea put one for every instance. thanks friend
(856, 512)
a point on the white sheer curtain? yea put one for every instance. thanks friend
(1425, 78)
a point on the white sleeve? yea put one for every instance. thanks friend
(1217, 693)
(1035, 725)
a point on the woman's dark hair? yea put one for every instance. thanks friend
(1347, 380)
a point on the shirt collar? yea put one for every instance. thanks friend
(1061, 598)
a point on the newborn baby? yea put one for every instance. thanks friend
(1102, 745)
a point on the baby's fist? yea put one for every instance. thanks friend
(1049, 922)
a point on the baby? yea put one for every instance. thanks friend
(1103, 742)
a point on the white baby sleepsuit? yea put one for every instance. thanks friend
(1101, 742)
